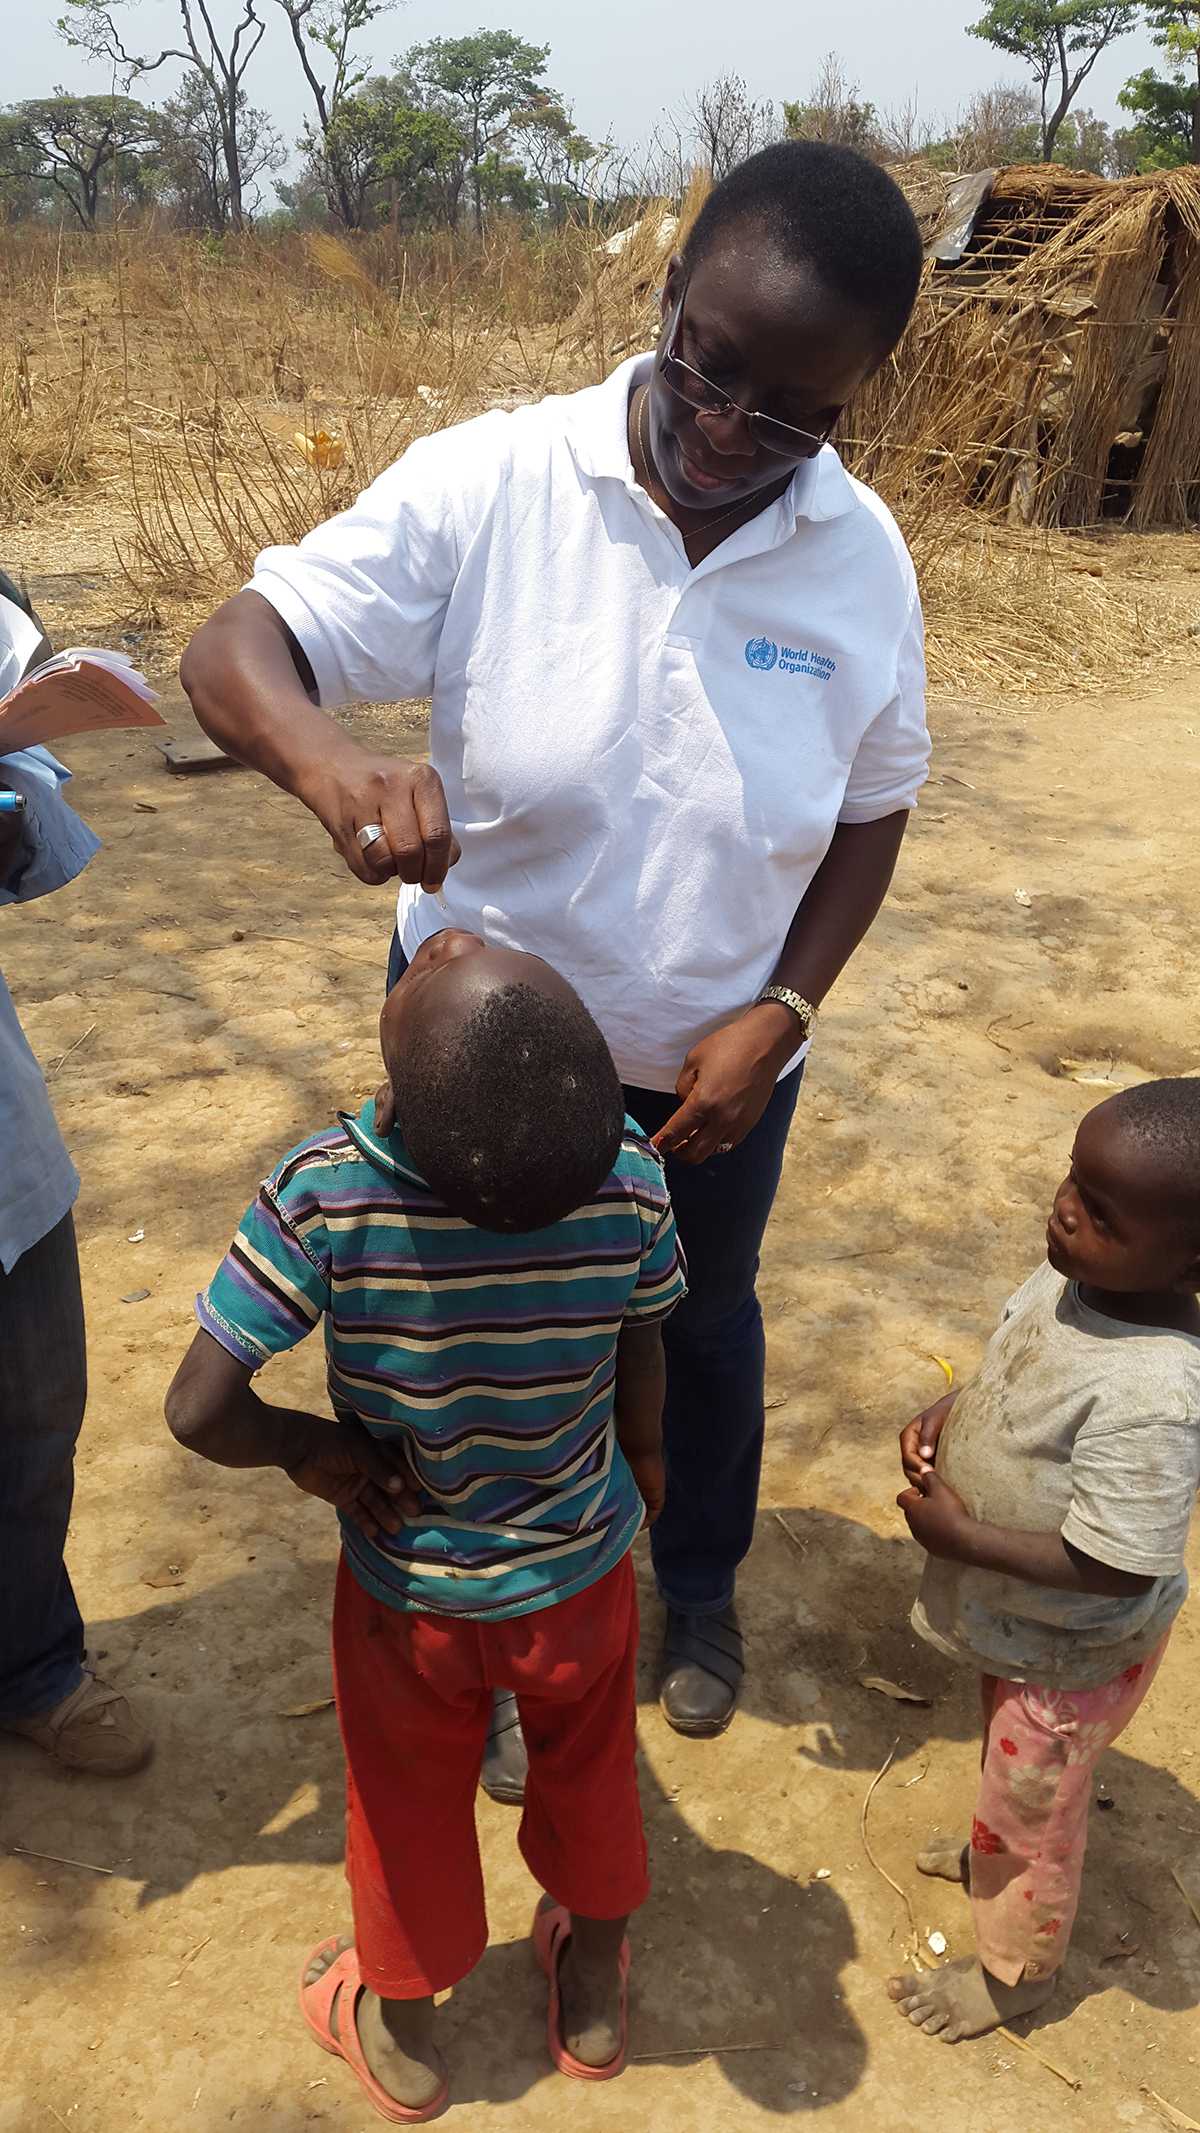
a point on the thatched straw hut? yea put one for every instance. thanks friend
(1052, 371)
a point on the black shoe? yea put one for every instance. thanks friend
(702, 1668)
(505, 1761)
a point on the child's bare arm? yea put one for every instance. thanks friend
(640, 1392)
(212, 1409)
(939, 1519)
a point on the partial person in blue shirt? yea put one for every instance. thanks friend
(47, 1690)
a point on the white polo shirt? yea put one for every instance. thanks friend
(644, 762)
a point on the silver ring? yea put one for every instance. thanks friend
(369, 834)
(724, 1147)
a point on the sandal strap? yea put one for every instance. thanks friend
(712, 1642)
(506, 1716)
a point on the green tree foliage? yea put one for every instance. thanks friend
(70, 143)
(390, 154)
(1060, 41)
(25, 190)
(480, 81)
(554, 156)
(1166, 108)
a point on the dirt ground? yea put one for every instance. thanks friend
(205, 995)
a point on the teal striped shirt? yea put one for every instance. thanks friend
(490, 1358)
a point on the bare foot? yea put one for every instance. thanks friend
(946, 1858)
(396, 2038)
(964, 2000)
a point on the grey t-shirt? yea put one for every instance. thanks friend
(1079, 1424)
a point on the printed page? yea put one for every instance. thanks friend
(79, 691)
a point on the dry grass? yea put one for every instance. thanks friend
(158, 383)
(47, 426)
(1015, 613)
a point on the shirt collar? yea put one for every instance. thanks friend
(385, 1152)
(598, 435)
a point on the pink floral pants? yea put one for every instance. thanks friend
(1029, 1836)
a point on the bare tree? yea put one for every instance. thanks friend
(560, 159)
(997, 126)
(667, 162)
(834, 111)
(189, 160)
(329, 26)
(729, 125)
(903, 133)
(92, 27)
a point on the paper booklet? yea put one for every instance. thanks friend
(86, 690)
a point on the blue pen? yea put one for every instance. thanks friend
(12, 803)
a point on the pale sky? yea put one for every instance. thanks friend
(621, 63)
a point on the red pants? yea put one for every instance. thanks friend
(414, 1704)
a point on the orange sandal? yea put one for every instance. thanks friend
(551, 1933)
(316, 2005)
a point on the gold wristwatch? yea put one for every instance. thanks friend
(803, 1009)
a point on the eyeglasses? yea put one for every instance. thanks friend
(689, 384)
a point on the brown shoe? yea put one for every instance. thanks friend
(94, 1728)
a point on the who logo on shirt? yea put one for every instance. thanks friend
(761, 653)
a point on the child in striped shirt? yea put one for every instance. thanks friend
(492, 1274)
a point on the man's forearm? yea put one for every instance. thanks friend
(249, 694)
(1045, 1559)
(249, 680)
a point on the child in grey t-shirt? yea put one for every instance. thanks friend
(1055, 1523)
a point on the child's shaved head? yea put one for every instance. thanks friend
(1162, 1119)
(505, 1091)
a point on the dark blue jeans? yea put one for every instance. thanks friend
(716, 1354)
(43, 1387)
(716, 1350)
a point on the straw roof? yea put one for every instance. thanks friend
(1051, 373)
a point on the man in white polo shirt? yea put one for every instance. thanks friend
(675, 660)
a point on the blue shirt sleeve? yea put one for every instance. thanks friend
(55, 844)
(273, 1284)
(662, 1275)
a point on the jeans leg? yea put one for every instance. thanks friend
(716, 1351)
(43, 1387)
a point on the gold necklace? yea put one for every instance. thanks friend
(707, 524)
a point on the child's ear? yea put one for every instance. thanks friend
(385, 1109)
